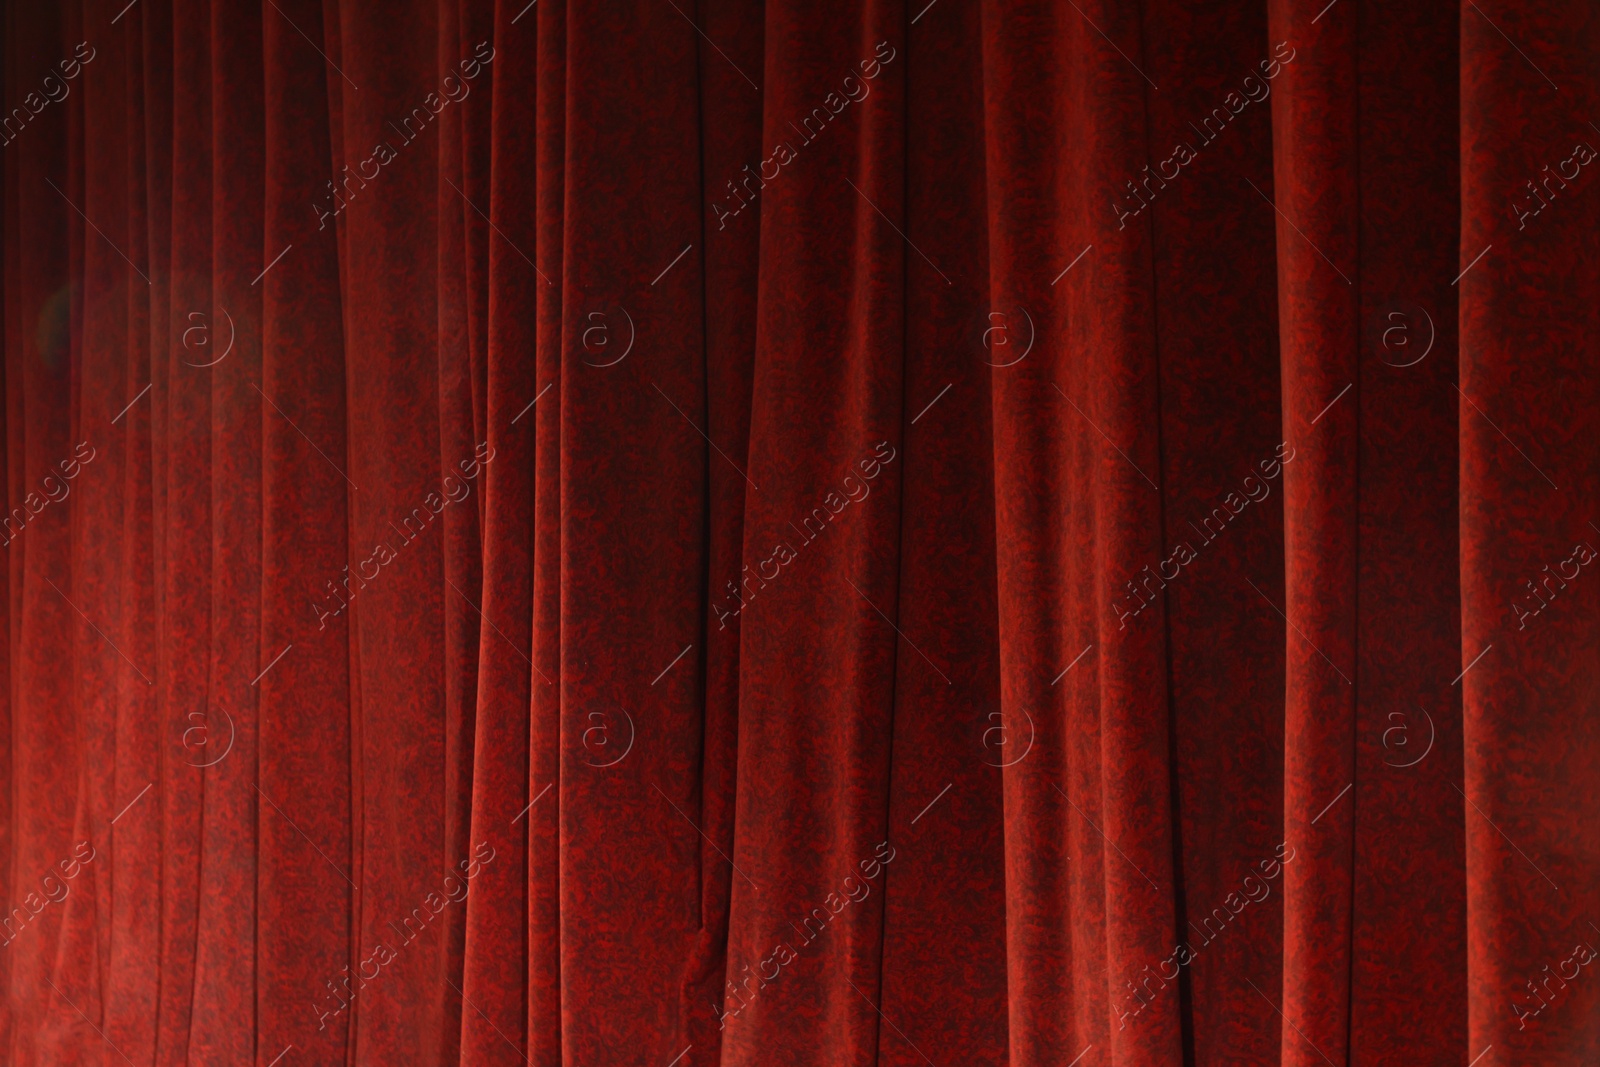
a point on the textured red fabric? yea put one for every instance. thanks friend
(718, 532)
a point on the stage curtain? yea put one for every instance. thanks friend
(693, 532)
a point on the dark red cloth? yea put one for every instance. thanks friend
(680, 533)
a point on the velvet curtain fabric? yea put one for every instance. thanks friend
(714, 532)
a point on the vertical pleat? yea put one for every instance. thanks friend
(1314, 195)
(494, 1028)
(44, 261)
(389, 240)
(132, 927)
(462, 174)
(944, 894)
(226, 951)
(826, 415)
(307, 890)
(542, 800)
(84, 668)
(1408, 964)
(1112, 367)
(1042, 971)
(1212, 239)
(181, 401)
(1530, 617)
(94, 586)
(632, 525)
(730, 136)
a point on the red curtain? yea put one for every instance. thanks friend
(701, 531)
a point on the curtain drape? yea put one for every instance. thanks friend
(697, 532)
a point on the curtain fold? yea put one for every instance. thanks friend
(734, 533)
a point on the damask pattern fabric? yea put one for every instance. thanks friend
(694, 532)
